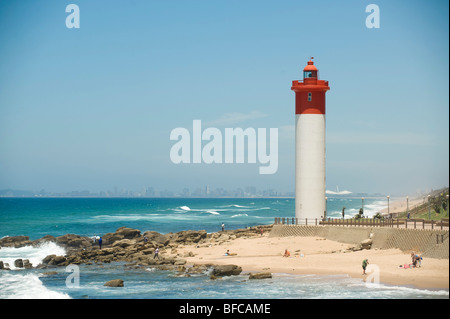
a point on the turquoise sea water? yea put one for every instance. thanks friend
(37, 217)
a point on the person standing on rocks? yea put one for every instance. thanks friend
(156, 254)
(100, 240)
(223, 226)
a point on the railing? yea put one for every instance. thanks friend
(386, 222)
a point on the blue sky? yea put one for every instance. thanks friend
(93, 108)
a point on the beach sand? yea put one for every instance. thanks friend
(397, 205)
(314, 255)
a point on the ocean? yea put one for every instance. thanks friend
(37, 217)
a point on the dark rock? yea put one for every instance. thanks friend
(18, 263)
(54, 260)
(121, 233)
(47, 259)
(74, 241)
(156, 237)
(46, 238)
(123, 243)
(114, 283)
(27, 264)
(15, 241)
(260, 275)
(128, 233)
(189, 236)
(226, 270)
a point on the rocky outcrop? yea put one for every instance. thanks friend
(226, 270)
(114, 283)
(128, 245)
(22, 263)
(155, 237)
(260, 275)
(53, 260)
(72, 241)
(121, 233)
(186, 237)
(366, 243)
(15, 241)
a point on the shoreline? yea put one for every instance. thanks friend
(322, 257)
(399, 205)
(250, 250)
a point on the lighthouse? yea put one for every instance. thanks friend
(310, 144)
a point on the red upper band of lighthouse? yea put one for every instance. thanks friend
(310, 93)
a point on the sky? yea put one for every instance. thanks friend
(92, 108)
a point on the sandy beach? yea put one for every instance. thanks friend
(397, 205)
(314, 255)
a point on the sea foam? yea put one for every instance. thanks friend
(34, 254)
(26, 286)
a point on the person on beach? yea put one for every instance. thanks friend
(223, 226)
(364, 265)
(227, 253)
(286, 253)
(156, 254)
(416, 259)
(343, 212)
(100, 240)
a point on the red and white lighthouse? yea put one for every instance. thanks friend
(310, 144)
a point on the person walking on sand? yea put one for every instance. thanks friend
(156, 254)
(364, 265)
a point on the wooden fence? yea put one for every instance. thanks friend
(386, 222)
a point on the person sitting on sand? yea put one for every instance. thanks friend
(416, 260)
(227, 253)
(287, 253)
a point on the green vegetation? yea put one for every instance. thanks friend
(434, 206)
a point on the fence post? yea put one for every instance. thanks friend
(432, 224)
(306, 221)
(316, 222)
(423, 223)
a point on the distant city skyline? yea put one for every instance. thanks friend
(92, 107)
(198, 192)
